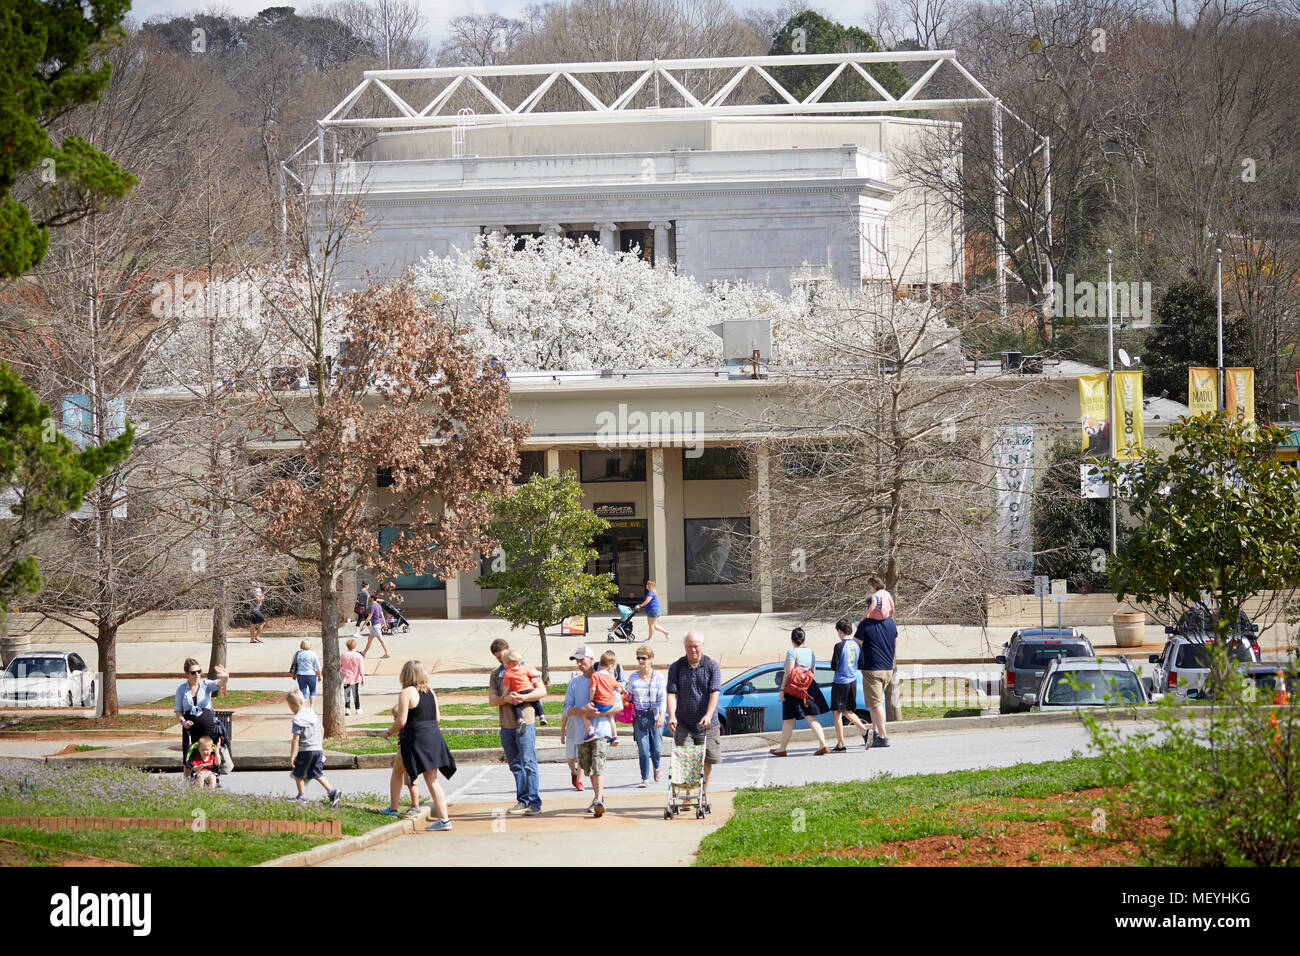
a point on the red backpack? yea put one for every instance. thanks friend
(799, 682)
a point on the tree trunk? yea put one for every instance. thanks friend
(106, 643)
(546, 658)
(331, 694)
(218, 630)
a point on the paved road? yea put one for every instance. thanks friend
(915, 753)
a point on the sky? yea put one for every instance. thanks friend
(439, 13)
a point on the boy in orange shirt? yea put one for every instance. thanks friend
(516, 677)
(606, 694)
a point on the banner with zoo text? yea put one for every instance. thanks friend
(1128, 415)
(1239, 391)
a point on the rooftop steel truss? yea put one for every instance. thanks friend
(652, 76)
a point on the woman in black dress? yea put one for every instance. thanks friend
(420, 743)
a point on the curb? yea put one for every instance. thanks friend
(330, 851)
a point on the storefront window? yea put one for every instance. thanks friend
(715, 464)
(530, 463)
(715, 548)
(613, 465)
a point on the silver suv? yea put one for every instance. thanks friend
(1026, 656)
(1183, 663)
(1076, 682)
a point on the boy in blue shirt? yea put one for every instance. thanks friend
(844, 688)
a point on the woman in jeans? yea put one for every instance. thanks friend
(649, 706)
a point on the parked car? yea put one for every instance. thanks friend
(47, 679)
(1072, 682)
(1026, 656)
(759, 686)
(1264, 676)
(1183, 664)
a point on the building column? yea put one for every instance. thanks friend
(551, 229)
(347, 588)
(662, 258)
(453, 598)
(552, 463)
(659, 527)
(501, 231)
(608, 235)
(764, 521)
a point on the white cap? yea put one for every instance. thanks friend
(582, 653)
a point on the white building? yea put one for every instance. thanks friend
(718, 188)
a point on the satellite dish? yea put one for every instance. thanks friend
(1128, 361)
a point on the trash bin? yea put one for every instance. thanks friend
(226, 718)
(745, 720)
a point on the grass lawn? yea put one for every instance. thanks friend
(120, 722)
(926, 711)
(1029, 813)
(378, 745)
(231, 700)
(122, 792)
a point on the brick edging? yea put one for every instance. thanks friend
(328, 828)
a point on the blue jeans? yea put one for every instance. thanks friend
(647, 737)
(307, 684)
(520, 746)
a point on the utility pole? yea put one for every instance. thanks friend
(1110, 397)
(388, 58)
(1222, 393)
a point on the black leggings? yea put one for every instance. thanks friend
(355, 690)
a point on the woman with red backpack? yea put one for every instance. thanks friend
(801, 698)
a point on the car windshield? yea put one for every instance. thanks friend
(1199, 621)
(1038, 656)
(1197, 656)
(1093, 687)
(37, 667)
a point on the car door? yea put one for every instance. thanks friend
(80, 674)
(758, 688)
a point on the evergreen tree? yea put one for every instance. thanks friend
(47, 67)
(808, 32)
(1186, 335)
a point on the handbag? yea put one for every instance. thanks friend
(799, 682)
(227, 761)
(625, 715)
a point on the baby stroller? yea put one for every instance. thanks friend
(621, 628)
(686, 786)
(393, 618)
(221, 743)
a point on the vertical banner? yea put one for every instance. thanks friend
(1202, 391)
(1239, 394)
(1096, 421)
(1013, 456)
(1128, 415)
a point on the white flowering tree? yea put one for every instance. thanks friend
(557, 304)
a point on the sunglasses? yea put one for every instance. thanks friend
(643, 658)
(196, 672)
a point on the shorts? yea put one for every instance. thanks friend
(844, 697)
(591, 756)
(308, 765)
(307, 684)
(603, 708)
(874, 684)
(711, 738)
(256, 617)
(375, 631)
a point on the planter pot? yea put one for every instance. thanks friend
(1130, 628)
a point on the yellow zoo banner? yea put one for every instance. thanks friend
(1096, 421)
(1128, 415)
(1202, 390)
(1239, 391)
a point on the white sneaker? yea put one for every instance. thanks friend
(358, 711)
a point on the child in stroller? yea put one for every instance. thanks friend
(204, 763)
(393, 617)
(621, 626)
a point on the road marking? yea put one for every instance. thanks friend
(464, 791)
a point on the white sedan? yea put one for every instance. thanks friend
(47, 679)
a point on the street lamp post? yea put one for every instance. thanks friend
(1110, 395)
(1223, 397)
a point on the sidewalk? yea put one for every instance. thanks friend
(560, 836)
(735, 640)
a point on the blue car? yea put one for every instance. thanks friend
(759, 686)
